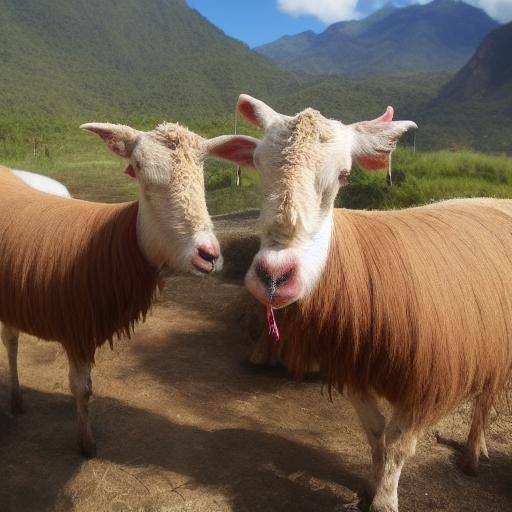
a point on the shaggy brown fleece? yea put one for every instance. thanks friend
(70, 271)
(413, 304)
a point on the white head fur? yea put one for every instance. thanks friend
(303, 161)
(174, 229)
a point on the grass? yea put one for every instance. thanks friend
(421, 178)
(85, 166)
(82, 162)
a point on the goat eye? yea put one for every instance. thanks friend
(343, 177)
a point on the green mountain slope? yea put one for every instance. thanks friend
(157, 58)
(61, 56)
(488, 73)
(474, 109)
(437, 36)
(66, 61)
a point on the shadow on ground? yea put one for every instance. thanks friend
(255, 470)
(183, 424)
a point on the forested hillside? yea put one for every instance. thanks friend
(63, 62)
(61, 56)
(474, 109)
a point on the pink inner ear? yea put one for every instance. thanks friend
(111, 139)
(130, 171)
(372, 163)
(236, 150)
(386, 117)
(107, 137)
(118, 147)
(104, 133)
(246, 108)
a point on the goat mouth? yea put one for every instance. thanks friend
(275, 302)
(276, 298)
(279, 303)
(204, 269)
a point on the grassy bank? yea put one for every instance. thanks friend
(420, 178)
(61, 150)
(81, 161)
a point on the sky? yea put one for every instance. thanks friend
(261, 21)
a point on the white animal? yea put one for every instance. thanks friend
(413, 306)
(42, 183)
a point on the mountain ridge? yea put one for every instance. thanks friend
(474, 108)
(438, 36)
(127, 60)
(489, 69)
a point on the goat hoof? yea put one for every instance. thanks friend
(383, 505)
(17, 405)
(379, 508)
(383, 508)
(87, 448)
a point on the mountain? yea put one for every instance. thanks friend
(135, 56)
(439, 36)
(487, 73)
(143, 60)
(123, 59)
(475, 107)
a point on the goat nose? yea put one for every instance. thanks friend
(208, 254)
(273, 280)
(205, 256)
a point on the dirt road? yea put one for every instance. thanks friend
(184, 424)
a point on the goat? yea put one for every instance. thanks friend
(82, 273)
(412, 306)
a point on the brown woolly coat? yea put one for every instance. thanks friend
(415, 305)
(70, 271)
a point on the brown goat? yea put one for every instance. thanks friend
(413, 306)
(81, 286)
(76, 276)
(83, 273)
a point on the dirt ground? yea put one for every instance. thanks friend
(184, 423)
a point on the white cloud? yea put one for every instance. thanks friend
(330, 11)
(500, 10)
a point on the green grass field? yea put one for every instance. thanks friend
(424, 177)
(86, 167)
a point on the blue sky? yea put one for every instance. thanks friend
(254, 21)
(261, 21)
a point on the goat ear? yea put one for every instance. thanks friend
(256, 112)
(386, 117)
(120, 139)
(375, 140)
(233, 148)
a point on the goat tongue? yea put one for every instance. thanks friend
(272, 324)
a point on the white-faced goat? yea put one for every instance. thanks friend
(82, 273)
(413, 306)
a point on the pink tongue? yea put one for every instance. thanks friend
(272, 324)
